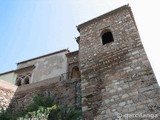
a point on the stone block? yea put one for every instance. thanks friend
(122, 104)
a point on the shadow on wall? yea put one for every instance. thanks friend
(15, 99)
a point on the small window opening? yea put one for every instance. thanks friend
(107, 37)
(75, 72)
(75, 68)
(26, 80)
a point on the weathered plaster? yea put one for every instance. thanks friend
(9, 77)
(47, 67)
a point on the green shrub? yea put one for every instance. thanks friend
(43, 108)
(64, 113)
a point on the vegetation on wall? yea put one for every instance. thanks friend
(43, 108)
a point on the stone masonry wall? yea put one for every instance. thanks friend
(64, 91)
(116, 77)
(72, 57)
(7, 91)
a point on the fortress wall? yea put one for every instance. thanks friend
(116, 77)
(7, 91)
(65, 92)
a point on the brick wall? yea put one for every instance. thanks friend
(116, 77)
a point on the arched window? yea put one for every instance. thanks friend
(75, 72)
(23, 79)
(26, 80)
(107, 37)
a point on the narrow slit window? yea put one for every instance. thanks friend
(107, 37)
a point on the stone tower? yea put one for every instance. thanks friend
(116, 76)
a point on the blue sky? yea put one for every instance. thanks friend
(30, 28)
